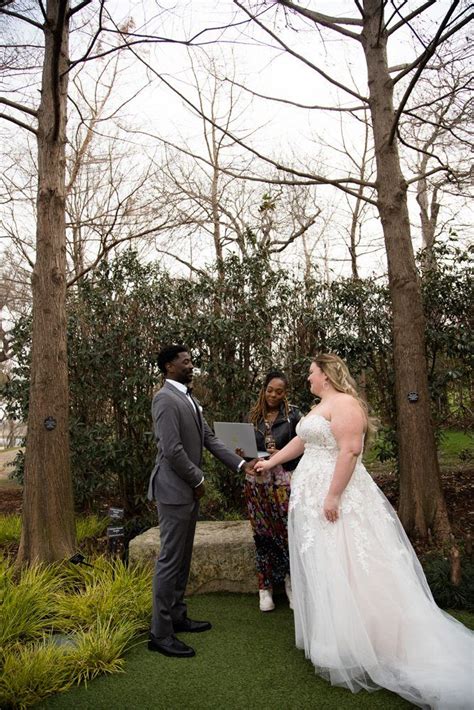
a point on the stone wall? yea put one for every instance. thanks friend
(223, 557)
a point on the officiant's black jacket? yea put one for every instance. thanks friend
(283, 430)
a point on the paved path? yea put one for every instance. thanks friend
(5, 458)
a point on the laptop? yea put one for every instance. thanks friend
(236, 435)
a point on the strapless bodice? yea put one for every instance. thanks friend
(315, 431)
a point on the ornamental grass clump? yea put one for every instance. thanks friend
(99, 650)
(109, 591)
(98, 612)
(33, 671)
(27, 607)
(10, 528)
(90, 526)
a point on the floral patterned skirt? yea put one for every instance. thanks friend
(267, 498)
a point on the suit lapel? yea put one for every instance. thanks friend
(194, 409)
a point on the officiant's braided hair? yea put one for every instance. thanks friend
(341, 379)
(259, 410)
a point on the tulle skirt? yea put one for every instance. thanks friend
(364, 614)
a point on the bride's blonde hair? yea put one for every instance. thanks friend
(341, 379)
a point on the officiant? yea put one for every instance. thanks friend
(267, 495)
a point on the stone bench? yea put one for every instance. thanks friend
(223, 556)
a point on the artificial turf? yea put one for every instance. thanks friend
(247, 661)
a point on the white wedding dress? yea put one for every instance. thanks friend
(364, 613)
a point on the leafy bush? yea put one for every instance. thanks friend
(238, 321)
(447, 596)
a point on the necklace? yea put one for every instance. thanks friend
(270, 417)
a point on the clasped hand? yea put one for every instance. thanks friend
(262, 465)
(250, 467)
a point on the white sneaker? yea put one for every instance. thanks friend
(288, 590)
(266, 600)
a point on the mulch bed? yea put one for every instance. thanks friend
(10, 499)
(458, 487)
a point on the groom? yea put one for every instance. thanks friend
(177, 484)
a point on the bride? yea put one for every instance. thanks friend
(364, 613)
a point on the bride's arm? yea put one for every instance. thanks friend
(292, 450)
(347, 425)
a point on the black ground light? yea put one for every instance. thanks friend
(79, 559)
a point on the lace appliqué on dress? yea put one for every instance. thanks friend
(311, 482)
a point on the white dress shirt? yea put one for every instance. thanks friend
(184, 389)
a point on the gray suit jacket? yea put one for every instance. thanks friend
(181, 433)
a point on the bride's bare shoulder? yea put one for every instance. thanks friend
(342, 399)
(344, 402)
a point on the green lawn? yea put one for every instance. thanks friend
(454, 449)
(248, 661)
(455, 443)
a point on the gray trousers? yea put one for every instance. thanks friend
(177, 528)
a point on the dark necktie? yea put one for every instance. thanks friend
(189, 393)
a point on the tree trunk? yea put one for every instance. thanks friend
(429, 218)
(422, 506)
(48, 509)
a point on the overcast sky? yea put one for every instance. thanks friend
(256, 61)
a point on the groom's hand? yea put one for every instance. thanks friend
(199, 491)
(249, 466)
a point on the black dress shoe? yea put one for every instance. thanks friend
(190, 626)
(170, 646)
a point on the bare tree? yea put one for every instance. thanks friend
(48, 531)
(47, 476)
(372, 26)
(39, 48)
(222, 211)
(437, 130)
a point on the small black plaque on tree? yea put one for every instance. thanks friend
(413, 397)
(50, 423)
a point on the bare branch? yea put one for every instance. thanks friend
(348, 109)
(359, 7)
(17, 122)
(318, 18)
(300, 57)
(79, 7)
(116, 242)
(409, 67)
(418, 149)
(18, 16)
(182, 261)
(18, 107)
(411, 16)
(86, 56)
(423, 62)
(416, 178)
(283, 243)
(309, 178)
